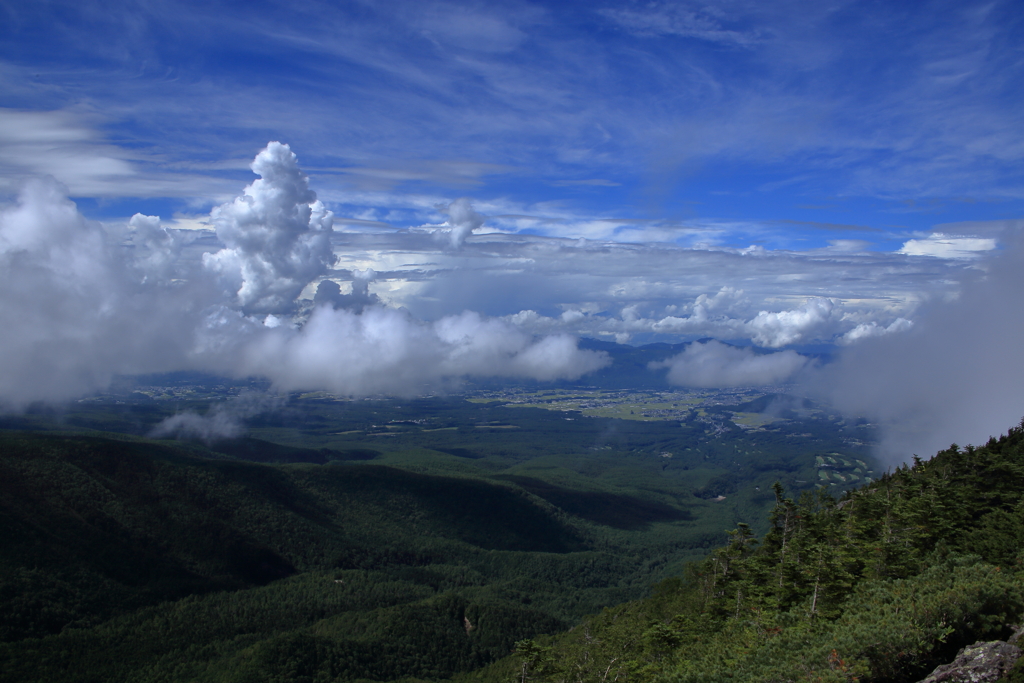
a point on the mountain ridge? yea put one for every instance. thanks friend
(881, 585)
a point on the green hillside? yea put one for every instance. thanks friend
(429, 547)
(127, 559)
(880, 585)
(184, 552)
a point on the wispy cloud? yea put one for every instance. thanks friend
(60, 144)
(948, 246)
(704, 21)
(848, 98)
(222, 421)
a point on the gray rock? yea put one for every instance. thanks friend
(978, 663)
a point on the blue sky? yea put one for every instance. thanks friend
(880, 117)
(782, 174)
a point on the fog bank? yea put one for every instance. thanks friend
(955, 376)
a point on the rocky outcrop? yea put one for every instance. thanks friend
(978, 663)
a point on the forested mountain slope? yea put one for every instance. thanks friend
(881, 585)
(130, 560)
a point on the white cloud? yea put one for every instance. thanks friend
(57, 143)
(208, 428)
(953, 377)
(714, 365)
(75, 307)
(872, 329)
(573, 316)
(723, 315)
(462, 221)
(222, 421)
(723, 298)
(69, 145)
(385, 350)
(78, 305)
(277, 236)
(789, 327)
(701, 319)
(948, 246)
(157, 250)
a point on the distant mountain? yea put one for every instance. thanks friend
(629, 366)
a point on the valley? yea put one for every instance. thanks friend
(492, 515)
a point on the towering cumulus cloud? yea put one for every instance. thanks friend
(462, 221)
(79, 305)
(277, 236)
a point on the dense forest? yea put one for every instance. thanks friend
(130, 560)
(882, 584)
(127, 559)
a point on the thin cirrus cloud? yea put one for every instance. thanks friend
(552, 92)
(58, 143)
(948, 246)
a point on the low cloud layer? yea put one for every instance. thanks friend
(222, 421)
(954, 377)
(714, 364)
(719, 315)
(386, 350)
(79, 304)
(76, 307)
